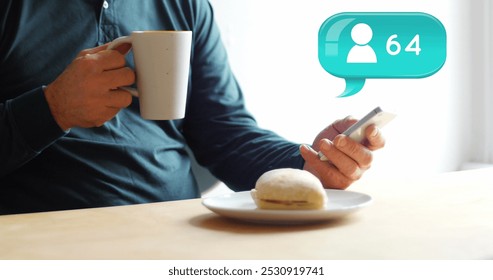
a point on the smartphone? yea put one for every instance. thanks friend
(356, 132)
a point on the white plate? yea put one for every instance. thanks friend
(241, 206)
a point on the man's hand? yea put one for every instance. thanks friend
(86, 94)
(348, 160)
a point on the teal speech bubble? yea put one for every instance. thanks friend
(357, 46)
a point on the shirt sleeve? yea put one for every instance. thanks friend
(223, 135)
(26, 128)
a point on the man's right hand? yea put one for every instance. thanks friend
(87, 93)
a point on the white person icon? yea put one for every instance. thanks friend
(361, 52)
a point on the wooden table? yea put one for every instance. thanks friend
(447, 216)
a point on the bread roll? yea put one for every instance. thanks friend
(289, 189)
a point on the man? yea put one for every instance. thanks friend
(69, 138)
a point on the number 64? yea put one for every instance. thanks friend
(413, 46)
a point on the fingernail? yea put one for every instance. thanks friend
(325, 143)
(374, 132)
(341, 141)
(306, 147)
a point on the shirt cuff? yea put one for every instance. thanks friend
(33, 119)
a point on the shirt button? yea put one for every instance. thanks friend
(106, 5)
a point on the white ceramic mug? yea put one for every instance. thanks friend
(162, 65)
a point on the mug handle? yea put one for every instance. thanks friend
(118, 41)
(114, 44)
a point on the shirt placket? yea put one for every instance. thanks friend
(108, 28)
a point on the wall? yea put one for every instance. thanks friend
(273, 51)
(481, 39)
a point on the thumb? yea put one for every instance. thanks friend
(342, 125)
(123, 48)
